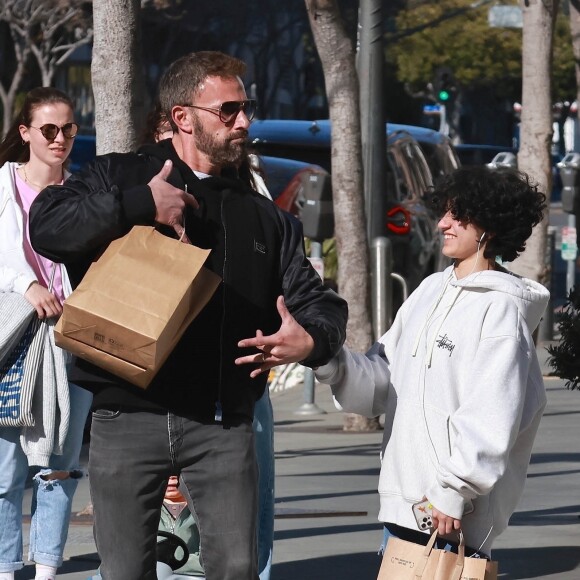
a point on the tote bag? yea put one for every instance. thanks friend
(405, 560)
(21, 351)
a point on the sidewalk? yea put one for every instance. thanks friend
(326, 498)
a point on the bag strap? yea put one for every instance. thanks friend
(52, 273)
(459, 564)
(420, 566)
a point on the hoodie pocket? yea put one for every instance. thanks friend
(419, 442)
(437, 431)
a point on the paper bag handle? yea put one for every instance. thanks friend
(52, 273)
(458, 570)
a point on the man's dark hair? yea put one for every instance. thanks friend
(185, 77)
(504, 202)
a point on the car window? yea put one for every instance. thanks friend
(396, 188)
(440, 157)
(403, 173)
(418, 164)
(315, 155)
(413, 167)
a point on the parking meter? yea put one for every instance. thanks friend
(503, 159)
(569, 169)
(317, 215)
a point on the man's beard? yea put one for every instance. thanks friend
(220, 153)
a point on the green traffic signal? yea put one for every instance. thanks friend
(443, 95)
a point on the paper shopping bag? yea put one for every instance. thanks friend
(134, 304)
(443, 565)
(405, 560)
(401, 560)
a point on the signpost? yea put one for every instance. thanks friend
(569, 246)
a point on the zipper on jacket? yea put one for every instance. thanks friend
(218, 404)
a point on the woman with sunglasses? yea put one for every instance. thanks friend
(33, 156)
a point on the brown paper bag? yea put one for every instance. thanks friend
(405, 560)
(134, 304)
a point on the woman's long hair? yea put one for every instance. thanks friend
(13, 148)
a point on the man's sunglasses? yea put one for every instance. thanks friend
(229, 110)
(50, 130)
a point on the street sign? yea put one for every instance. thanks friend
(569, 246)
(505, 17)
(431, 109)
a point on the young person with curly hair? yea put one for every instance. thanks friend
(457, 374)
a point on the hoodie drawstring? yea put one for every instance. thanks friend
(430, 314)
(435, 334)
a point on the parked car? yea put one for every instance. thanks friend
(439, 152)
(285, 180)
(407, 221)
(84, 150)
(290, 151)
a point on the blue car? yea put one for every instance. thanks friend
(406, 219)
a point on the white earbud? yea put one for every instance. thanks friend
(481, 239)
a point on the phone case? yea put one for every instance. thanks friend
(423, 512)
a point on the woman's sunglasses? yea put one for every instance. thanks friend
(229, 110)
(50, 130)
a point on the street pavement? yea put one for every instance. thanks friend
(326, 498)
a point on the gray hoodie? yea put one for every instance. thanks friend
(458, 379)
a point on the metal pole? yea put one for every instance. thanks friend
(370, 68)
(309, 407)
(382, 288)
(546, 329)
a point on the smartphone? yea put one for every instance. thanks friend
(423, 512)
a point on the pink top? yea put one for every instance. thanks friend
(42, 266)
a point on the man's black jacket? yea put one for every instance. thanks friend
(257, 250)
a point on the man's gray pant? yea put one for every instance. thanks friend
(132, 455)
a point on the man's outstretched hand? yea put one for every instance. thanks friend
(290, 344)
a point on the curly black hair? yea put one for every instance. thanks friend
(504, 202)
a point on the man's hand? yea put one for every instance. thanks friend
(445, 524)
(290, 344)
(170, 201)
(45, 303)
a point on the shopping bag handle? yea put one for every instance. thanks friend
(457, 571)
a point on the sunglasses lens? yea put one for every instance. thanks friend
(250, 109)
(230, 109)
(49, 131)
(70, 130)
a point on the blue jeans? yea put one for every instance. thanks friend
(264, 433)
(51, 500)
(133, 453)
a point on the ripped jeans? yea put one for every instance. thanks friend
(51, 500)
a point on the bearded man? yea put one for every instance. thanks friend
(195, 419)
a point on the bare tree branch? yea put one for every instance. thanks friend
(50, 28)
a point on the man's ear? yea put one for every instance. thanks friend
(181, 119)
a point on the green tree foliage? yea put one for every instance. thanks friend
(563, 75)
(460, 37)
(565, 356)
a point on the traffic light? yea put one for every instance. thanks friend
(443, 95)
(444, 86)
